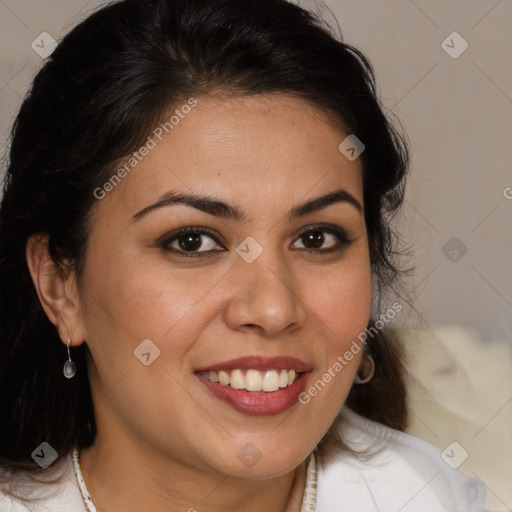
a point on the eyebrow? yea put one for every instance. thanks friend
(226, 211)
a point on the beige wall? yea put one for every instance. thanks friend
(457, 112)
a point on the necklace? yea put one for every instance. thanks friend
(86, 497)
(308, 499)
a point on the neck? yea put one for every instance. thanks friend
(132, 480)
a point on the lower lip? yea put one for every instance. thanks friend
(258, 403)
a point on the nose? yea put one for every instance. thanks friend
(264, 297)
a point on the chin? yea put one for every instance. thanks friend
(267, 461)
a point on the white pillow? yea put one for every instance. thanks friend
(460, 399)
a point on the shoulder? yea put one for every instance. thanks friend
(53, 490)
(391, 471)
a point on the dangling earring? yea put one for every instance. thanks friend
(69, 366)
(363, 379)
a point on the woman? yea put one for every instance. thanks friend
(194, 243)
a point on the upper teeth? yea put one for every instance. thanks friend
(253, 380)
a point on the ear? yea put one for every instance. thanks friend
(57, 290)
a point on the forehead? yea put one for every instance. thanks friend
(252, 151)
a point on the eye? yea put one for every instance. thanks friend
(322, 239)
(195, 241)
(191, 241)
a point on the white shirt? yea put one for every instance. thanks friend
(397, 473)
(401, 474)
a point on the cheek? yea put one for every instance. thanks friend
(145, 299)
(342, 306)
(343, 302)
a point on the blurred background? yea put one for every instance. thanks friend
(445, 70)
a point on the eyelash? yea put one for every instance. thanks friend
(343, 240)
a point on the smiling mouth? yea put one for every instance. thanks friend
(253, 380)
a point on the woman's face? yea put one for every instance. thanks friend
(271, 273)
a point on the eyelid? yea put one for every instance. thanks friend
(330, 228)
